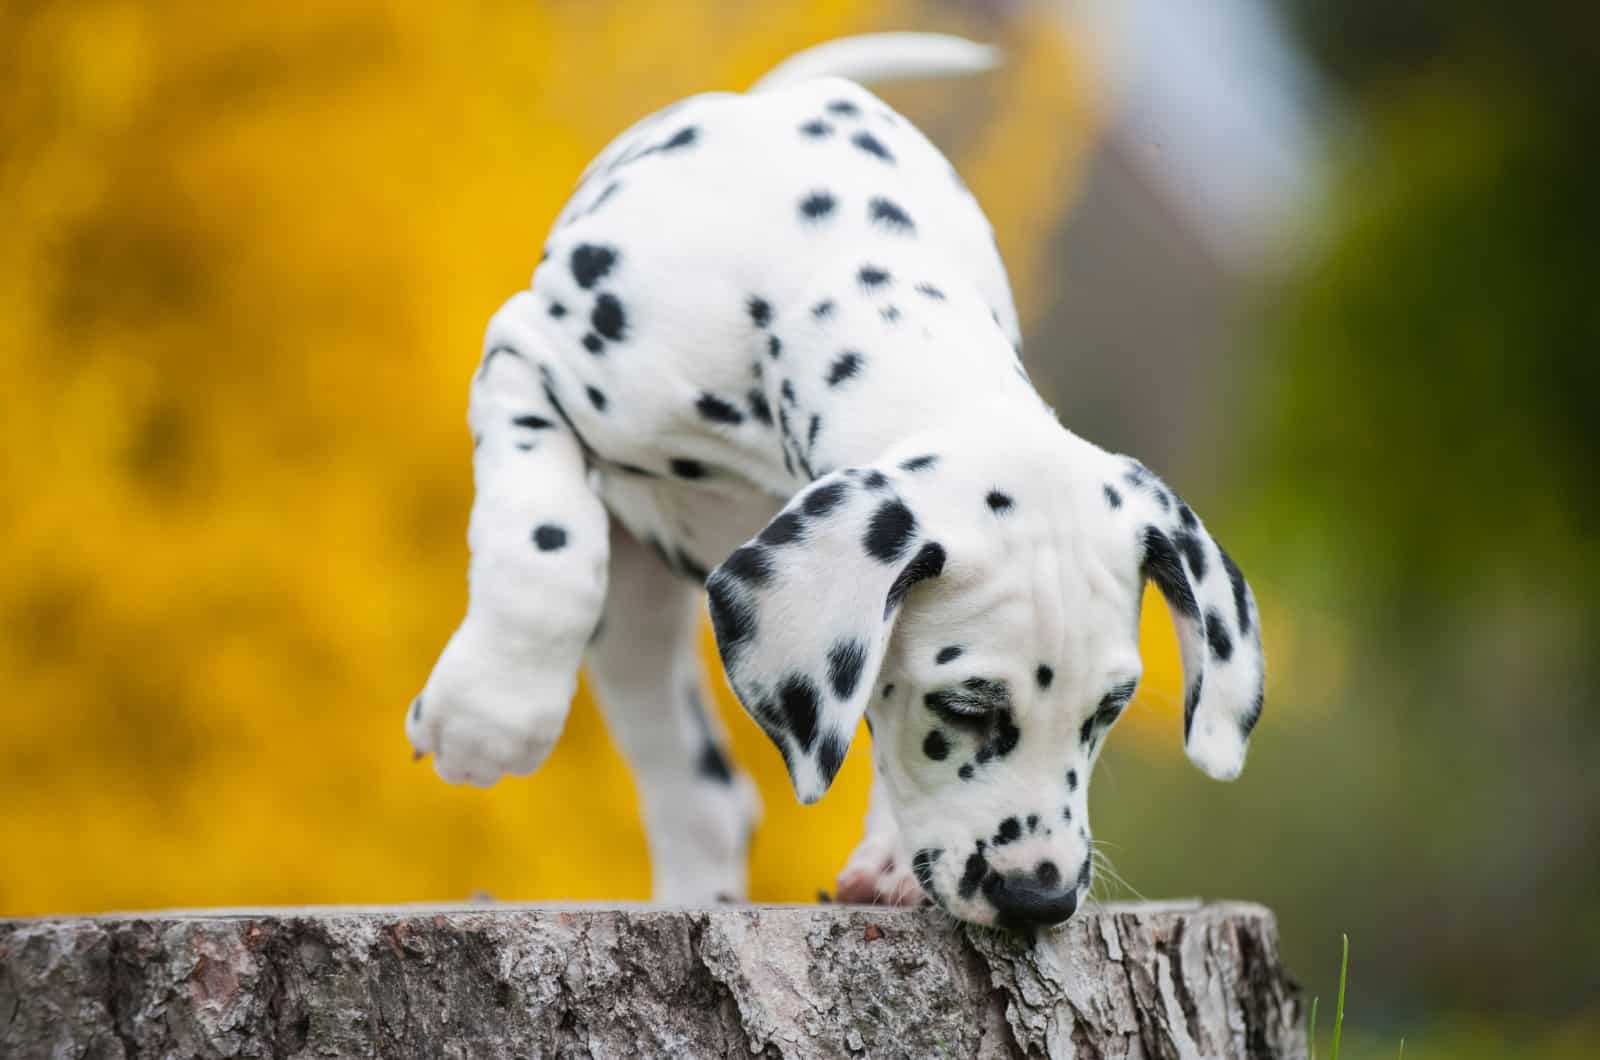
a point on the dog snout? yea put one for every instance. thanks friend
(1034, 899)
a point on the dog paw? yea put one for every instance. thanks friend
(878, 873)
(483, 716)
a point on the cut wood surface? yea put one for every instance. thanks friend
(1172, 979)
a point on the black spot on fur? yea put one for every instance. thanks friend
(846, 366)
(871, 276)
(608, 317)
(1033, 822)
(685, 468)
(1241, 598)
(830, 756)
(845, 660)
(965, 772)
(890, 531)
(1217, 636)
(1186, 516)
(889, 214)
(774, 346)
(875, 480)
(920, 463)
(844, 108)
(889, 313)
(927, 563)
(922, 863)
(786, 528)
(759, 409)
(536, 423)
(1072, 780)
(550, 537)
(816, 129)
(1113, 498)
(977, 867)
(1193, 551)
(749, 564)
(1010, 832)
(1086, 730)
(597, 398)
(760, 311)
(1044, 675)
(817, 205)
(811, 432)
(823, 309)
(948, 653)
(822, 500)
(1191, 700)
(888, 690)
(557, 310)
(797, 698)
(715, 409)
(872, 146)
(684, 137)
(416, 709)
(732, 618)
(593, 343)
(998, 502)
(1163, 567)
(591, 262)
(787, 390)
(1084, 873)
(935, 746)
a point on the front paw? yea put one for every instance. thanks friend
(878, 873)
(486, 714)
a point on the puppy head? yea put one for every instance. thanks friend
(978, 600)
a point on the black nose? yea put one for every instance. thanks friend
(1022, 901)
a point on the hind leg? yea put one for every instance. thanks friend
(498, 696)
(698, 807)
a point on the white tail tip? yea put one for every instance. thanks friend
(878, 57)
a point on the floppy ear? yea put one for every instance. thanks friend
(803, 612)
(1219, 629)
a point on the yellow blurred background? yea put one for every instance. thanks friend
(250, 253)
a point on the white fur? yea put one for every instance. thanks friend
(706, 352)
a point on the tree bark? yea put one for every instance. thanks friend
(1145, 980)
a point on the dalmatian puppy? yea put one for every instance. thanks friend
(770, 352)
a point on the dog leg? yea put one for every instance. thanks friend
(698, 807)
(498, 696)
(879, 870)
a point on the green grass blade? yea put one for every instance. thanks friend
(1311, 1028)
(1402, 1049)
(1338, 1012)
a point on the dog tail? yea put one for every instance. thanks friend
(877, 57)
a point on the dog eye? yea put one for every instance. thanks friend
(972, 702)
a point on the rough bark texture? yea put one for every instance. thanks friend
(1120, 981)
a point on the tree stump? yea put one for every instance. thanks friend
(1178, 979)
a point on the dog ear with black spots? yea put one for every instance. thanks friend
(803, 613)
(1214, 611)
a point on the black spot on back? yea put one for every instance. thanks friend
(928, 290)
(760, 311)
(817, 205)
(593, 343)
(591, 262)
(1113, 498)
(948, 653)
(920, 463)
(823, 309)
(890, 215)
(890, 531)
(844, 108)
(871, 276)
(759, 409)
(845, 660)
(846, 366)
(715, 409)
(998, 502)
(597, 398)
(1010, 831)
(872, 146)
(816, 129)
(549, 537)
(1044, 675)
